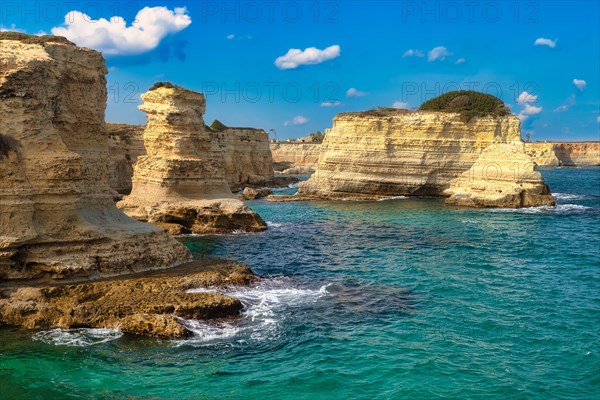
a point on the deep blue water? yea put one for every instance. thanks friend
(405, 298)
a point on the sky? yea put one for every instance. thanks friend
(289, 67)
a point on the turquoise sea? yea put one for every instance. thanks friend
(398, 299)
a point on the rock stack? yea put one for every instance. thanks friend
(181, 185)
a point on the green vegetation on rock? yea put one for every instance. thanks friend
(217, 126)
(157, 85)
(468, 103)
(33, 39)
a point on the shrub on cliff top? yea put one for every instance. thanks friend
(468, 103)
(217, 126)
(32, 39)
(157, 85)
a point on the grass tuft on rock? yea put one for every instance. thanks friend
(33, 39)
(468, 103)
(217, 126)
(158, 85)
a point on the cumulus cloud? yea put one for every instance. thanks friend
(310, 56)
(526, 97)
(353, 92)
(438, 53)
(114, 37)
(331, 104)
(545, 42)
(413, 53)
(297, 120)
(460, 61)
(400, 104)
(11, 28)
(579, 84)
(528, 111)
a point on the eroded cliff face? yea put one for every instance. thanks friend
(408, 153)
(125, 145)
(503, 176)
(247, 157)
(181, 184)
(57, 217)
(416, 153)
(295, 157)
(568, 154)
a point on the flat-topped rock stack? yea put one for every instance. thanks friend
(388, 152)
(181, 183)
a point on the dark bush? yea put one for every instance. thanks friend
(468, 103)
(167, 85)
(217, 126)
(32, 39)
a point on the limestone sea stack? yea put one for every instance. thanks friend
(57, 216)
(181, 184)
(388, 152)
(564, 154)
(503, 176)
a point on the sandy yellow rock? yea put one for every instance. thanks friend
(57, 217)
(182, 178)
(568, 154)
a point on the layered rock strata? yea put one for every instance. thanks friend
(181, 184)
(247, 157)
(568, 154)
(295, 158)
(155, 305)
(57, 217)
(503, 176)
(366, 155)
(125, 145)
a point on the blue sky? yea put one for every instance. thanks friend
(542, 58)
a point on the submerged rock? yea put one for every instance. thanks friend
(182, 179)
(57, 216)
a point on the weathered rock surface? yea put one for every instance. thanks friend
(142, 305)
(247, 157)
(125, 145)
(181, 184)
(295, 158)
(568, 154)
(402, 153)
(253, 194)
(57, 217)
(503, 176)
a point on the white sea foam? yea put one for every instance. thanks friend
(568, 196)
(77, 337)
(393, 198)
(265, 306)
(559, 209)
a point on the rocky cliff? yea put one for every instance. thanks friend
(568, 154)
(57, 217)
(403, 152)
(181, 184)
(247, 157)
(125, 145)
(295, 157)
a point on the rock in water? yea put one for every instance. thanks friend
(503, 176)
(387, 152)
(181, 184)
(57, 217)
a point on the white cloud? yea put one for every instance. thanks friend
(438, 53)
(413, 53)
(580, 84)
(331, 104)
(460, 61)
(114, 37)
(545, 42)
(400, 104)
(297, 120)
(11, 28)
(353, 92)
(561, 108)
(229, 37)
(528, 111)
(310, 56)
(598, 119)
(526, 97)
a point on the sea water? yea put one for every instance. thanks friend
(404, 298)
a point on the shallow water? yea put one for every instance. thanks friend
(404, 298)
